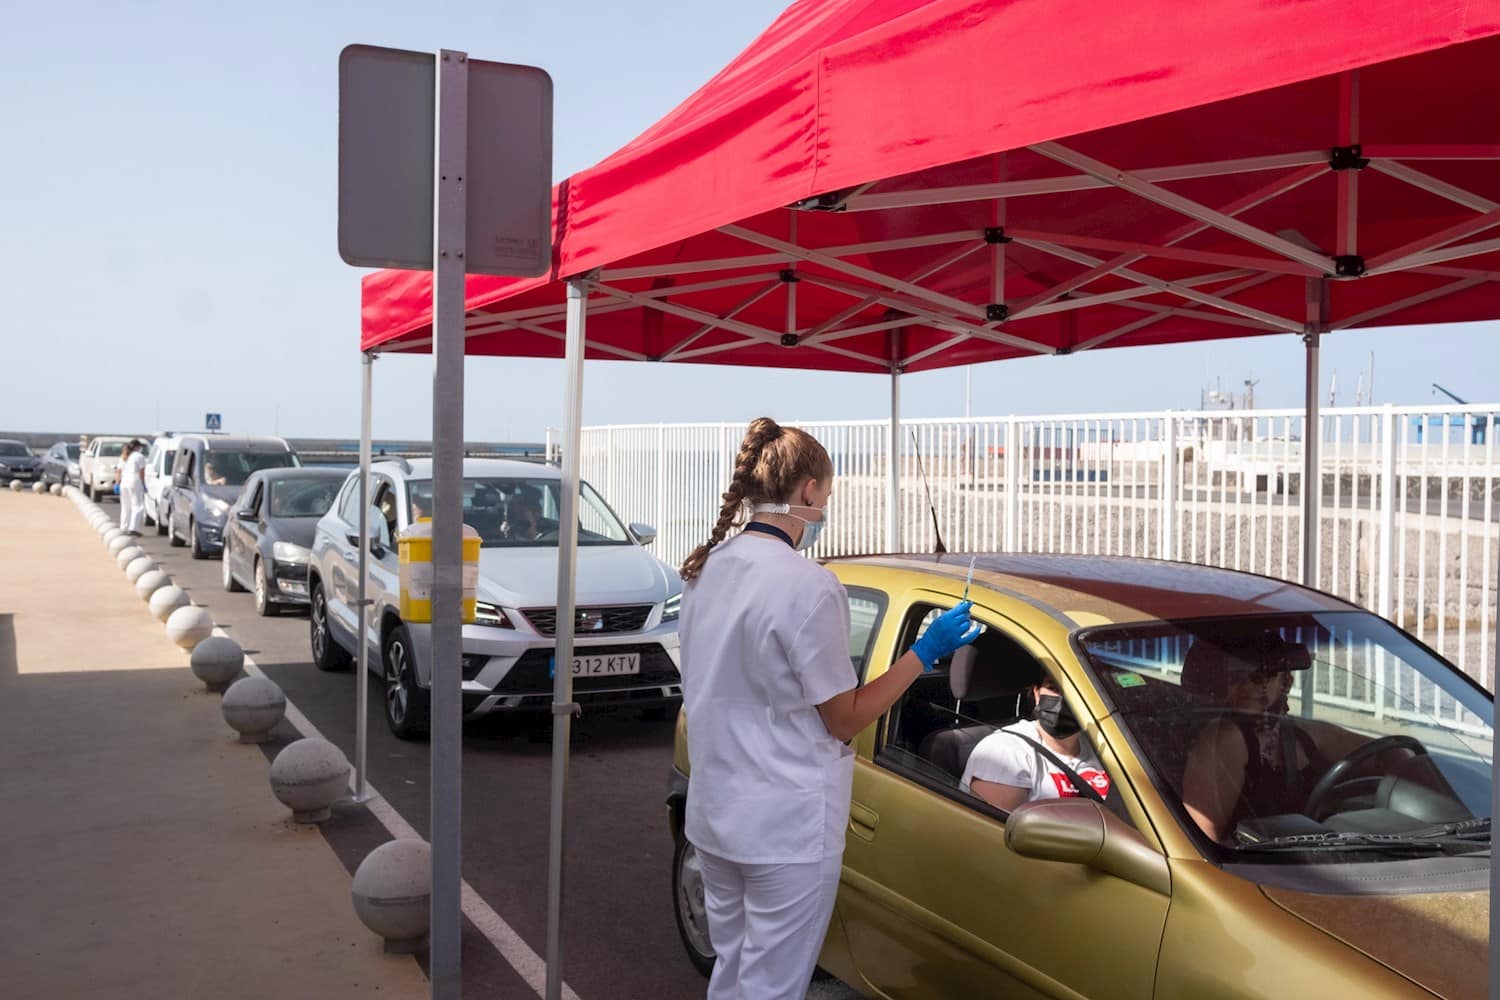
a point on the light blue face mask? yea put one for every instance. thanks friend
(810, 530)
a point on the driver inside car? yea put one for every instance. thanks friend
(1253, 759)
(523, 522)
(1007, 769)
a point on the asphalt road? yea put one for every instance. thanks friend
(620, 938)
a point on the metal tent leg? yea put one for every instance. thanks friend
(1312, 430)
(893, 469)
(563, 708)
(362, 663)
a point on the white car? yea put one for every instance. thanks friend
(97, 464)
(626, 647)
(159, 480)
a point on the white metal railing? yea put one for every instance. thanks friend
(1408, 519)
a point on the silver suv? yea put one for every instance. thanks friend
(626, 651)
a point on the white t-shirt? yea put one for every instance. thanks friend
(765, 639)
(130, 473)
(1012, 761)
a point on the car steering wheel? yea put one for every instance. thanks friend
(1334, 775)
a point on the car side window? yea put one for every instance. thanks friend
(385, 502)
(866, 612)
(252, 503)
(930, 732)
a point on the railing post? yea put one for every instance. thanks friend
(1386, 587)
(1012, 485)
(1169, 545)
(661, 477)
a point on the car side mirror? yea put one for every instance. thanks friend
(180, 480)
(1082, 832)
(245, 515)
(380, 533)
(644, 533)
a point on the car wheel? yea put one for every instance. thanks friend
(691, 912)
(161, 522)
(264, 606)
(406, 706)
(230, 583)
(195, 547)
(327, 654)
(172, 537)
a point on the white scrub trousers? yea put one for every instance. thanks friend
(767, 924)
(132, 510)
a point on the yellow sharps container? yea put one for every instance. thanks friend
(415, 548)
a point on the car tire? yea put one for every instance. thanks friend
(406, 703)
(688, 907)
(232, 585)
(161, 523)
(327, 654)
(172, 536)
(195, 547)
(264, 606)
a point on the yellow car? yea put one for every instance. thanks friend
(1197, 864)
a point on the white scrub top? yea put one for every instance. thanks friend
(765, 639)
(130, 473)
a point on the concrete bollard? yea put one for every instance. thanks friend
(55, 489)
(39, 487)
(15, 486)
(139, 567)
(128, 555)
(308, 777)
(167, 600)
(189, 625)
(119, 543)
(150, 582)
(217, 661)
(392, 887)
(252, 706)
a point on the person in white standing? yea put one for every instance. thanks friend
(772, 699)
(133, 488)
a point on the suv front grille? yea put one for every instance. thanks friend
(592, 621)
(532, 672)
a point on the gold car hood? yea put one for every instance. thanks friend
(1440, 940)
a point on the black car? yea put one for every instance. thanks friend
(60, 464)
(269, 532)
(17, 462)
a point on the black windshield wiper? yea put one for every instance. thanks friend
(1329, 842)
(1472, 830)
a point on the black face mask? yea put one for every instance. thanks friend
(1055, 717)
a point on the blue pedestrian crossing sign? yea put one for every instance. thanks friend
(213, 421)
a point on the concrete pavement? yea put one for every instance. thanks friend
(144, 855)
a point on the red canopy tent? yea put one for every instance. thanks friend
(896, 185)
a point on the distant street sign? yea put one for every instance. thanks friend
(213, 421)
(387, 118)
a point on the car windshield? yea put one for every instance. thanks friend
(232, 468)
(73, 450)
(514, 512)
(13, 449)
(304, 497)
(1329, 736)
(111, 449)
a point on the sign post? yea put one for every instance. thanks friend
(445, 164)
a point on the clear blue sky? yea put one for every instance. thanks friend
(168, 235)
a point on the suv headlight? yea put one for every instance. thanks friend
(215, 507)
(672, 610)
(492, 615)
(286, 552)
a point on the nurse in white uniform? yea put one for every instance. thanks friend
(771, 699)
(133, 488)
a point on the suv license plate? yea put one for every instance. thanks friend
(607, 666)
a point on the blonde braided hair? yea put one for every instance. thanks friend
(771, 461)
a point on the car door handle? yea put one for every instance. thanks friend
(862, 821)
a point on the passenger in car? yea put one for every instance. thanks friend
(523, 520)
(1005, 770)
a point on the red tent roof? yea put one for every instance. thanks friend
(1006, 178)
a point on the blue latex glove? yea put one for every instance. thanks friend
(948, 632)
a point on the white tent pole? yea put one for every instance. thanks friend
(893, 453)
(446, 704)
(361, 756)
(1312, 430)
(563, 708)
